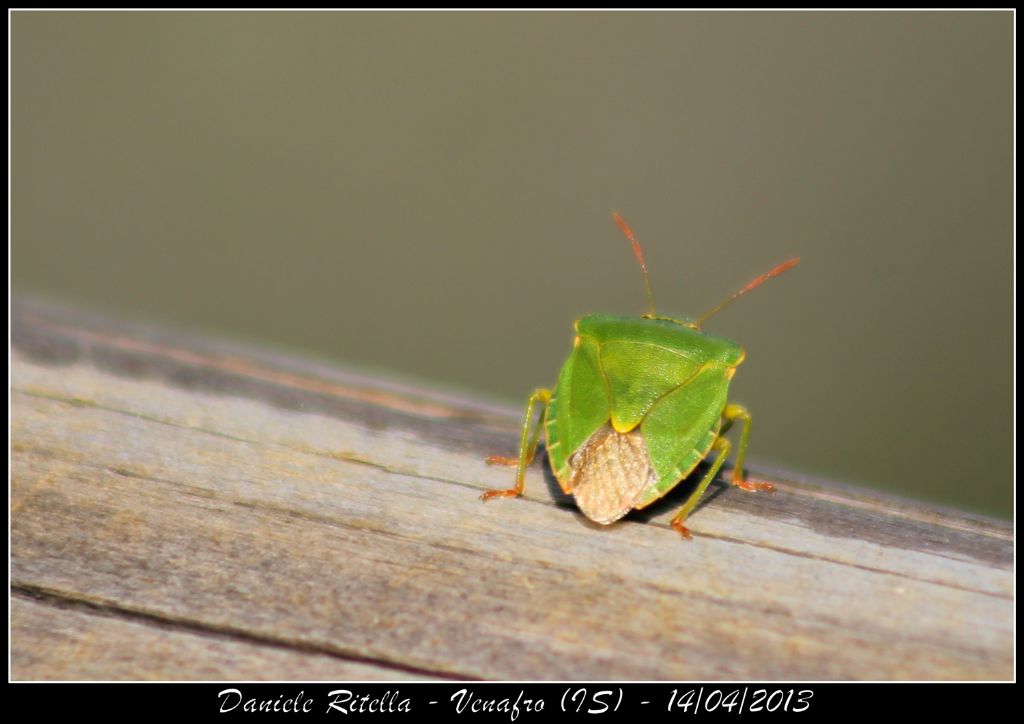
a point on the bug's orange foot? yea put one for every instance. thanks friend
(682, 529)
(510, 493)
(502, 460)
(754, 486)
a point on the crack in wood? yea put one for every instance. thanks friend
(99, 607)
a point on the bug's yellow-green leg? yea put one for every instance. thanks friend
(527, 447)
(732, 413)
(722, 446)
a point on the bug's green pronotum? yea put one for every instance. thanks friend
(638, 404)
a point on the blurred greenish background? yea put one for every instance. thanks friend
(429, 194)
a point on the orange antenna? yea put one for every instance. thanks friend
(639, 254)
(784, 266)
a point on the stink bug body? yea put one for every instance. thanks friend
(638, 404)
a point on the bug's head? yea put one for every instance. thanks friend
(693, 324)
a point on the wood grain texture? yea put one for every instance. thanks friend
(55, 641)
(192, 509)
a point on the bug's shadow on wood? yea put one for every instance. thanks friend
(675, 498)
(561, 499)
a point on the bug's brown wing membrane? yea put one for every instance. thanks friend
(609, 472)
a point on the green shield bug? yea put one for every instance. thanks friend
(638, 404)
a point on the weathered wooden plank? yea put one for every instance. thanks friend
(51, 639)
(337, 516)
